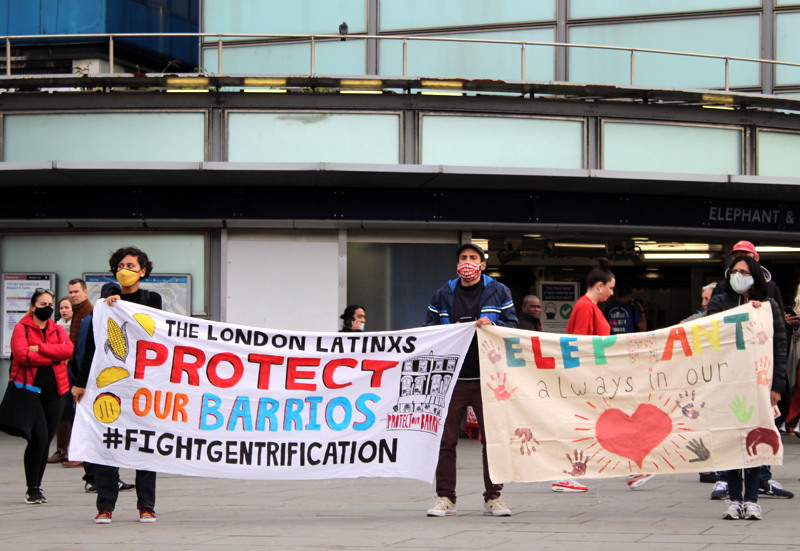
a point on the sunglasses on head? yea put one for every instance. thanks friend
(40, 290)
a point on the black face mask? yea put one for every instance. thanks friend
(43, 314)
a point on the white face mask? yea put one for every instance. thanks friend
(741, 283)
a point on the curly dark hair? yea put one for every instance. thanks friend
(140, 255)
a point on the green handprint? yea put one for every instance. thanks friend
(740, 410)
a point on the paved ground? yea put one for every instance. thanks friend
(670, 513)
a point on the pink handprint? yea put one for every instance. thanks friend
(758, 333)
(578, 465)
(500, 391)
(525, 436)
(492, 351)
(762, 366)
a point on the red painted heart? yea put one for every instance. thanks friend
(633, 436)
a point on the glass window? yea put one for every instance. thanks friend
(733, 36)
(472, 60)
(777, 154)
(282, 17)
(104, 137)
(374, 273)
(787, 47)
(71, 256)
(332, 58)
(502, 141)
(616, 8)
(423, 14)
(314, 137)
(671, 148)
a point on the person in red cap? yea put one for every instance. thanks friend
(767, 486)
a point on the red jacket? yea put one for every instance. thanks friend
(54, 350)
(587, 319)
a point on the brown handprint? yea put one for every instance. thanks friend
(578, 464)
(500, 391)
(762, 370)
(526, 435)
(492, 351)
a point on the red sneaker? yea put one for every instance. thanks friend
(103, 517)
(568, 486)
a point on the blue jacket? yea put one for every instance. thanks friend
(496, 304)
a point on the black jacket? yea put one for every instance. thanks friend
(730, 299)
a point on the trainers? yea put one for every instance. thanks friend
(103, 517)
(568, 486)
(90, 488)
(147, 515)
(125, 485)
(442, 508)
(734, 511)
(751, 511)
(770, 488)
(636, 480)
(34, 497)
(496, 508)
(720, 490)
(709, 477)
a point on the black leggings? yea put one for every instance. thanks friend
(44, 429)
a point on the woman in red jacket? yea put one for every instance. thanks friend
(40, 348)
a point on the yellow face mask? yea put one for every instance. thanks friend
(127, 278)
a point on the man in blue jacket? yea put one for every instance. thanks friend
(470, 298)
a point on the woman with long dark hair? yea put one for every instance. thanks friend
(40, 348)
(747, 284)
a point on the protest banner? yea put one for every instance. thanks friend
(179, 395)
(688, 398)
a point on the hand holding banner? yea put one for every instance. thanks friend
(175, 394)
(692, 397)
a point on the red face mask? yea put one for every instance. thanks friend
(468, 271)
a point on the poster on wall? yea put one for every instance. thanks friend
(17, 291)
(558, 298)
(175, 289)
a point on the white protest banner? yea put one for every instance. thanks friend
(692, 397)
(180, 395)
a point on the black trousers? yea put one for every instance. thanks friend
(38, 448)
(107, 481)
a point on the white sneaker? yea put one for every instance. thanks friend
(636, 480)
(734, 511)
(752, 511)
(568, 486)
(442, 508)
(496, 508)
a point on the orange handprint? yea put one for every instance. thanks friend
(762, 366)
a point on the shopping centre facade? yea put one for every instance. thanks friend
(299, 168)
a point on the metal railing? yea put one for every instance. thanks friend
(209, 39)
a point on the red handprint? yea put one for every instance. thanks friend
(500, 391)
(578, 465)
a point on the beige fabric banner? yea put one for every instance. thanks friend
(689, 398)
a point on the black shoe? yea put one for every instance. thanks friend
(771, 488)
(90, 488)
(34, 497)
(125, 485)
(710, 477)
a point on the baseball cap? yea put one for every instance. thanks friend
(110, 289)
(744, 246)
(471, 246)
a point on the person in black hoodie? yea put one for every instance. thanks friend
(129, 266)
(746, 283)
